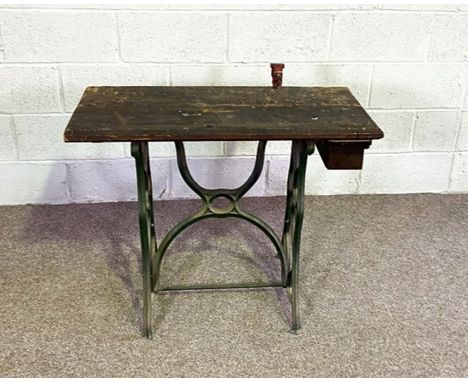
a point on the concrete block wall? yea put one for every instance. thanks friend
(407, 64)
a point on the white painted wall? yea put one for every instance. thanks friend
(406, 64)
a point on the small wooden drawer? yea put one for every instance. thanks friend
(343, 154)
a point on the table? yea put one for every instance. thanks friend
(329, 118)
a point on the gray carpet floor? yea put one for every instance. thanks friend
(384, 292)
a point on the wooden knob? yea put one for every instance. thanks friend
(277, 75)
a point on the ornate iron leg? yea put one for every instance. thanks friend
(145, 213)
(293, 221)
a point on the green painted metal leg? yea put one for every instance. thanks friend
(146, 219)
(293, 221)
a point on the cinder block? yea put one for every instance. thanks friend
(221, 7)
(466, 103)
(355, 77)
(380, 37)
(325, 7)
(173, 37)
(319, 180)
(114, 180)
(250, 148)
(88, 6)
(405, 173)
(40, 137)
(218, 75)
(7, 139)
(463, 136)
(420, 7)
(29, 89)
(278, 37)
(435, 130)
(397, 127)
(76, 78)
(59, 36)
(192, 149)
(2, 50)
(408, 86)
(461, 7)
(277, 176)
(216, 173)
(193, 6)
(33, 183)
(449, 40)
(459, 176)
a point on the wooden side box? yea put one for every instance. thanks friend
(342, 154)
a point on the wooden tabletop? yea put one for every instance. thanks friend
(211, 113)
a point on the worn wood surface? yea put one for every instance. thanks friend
(201, 113)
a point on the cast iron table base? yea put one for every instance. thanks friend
(287, 247)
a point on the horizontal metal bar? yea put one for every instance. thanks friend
(190, 288)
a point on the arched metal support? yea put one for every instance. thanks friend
(200, 215)
(206, 193)
(208, 210)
